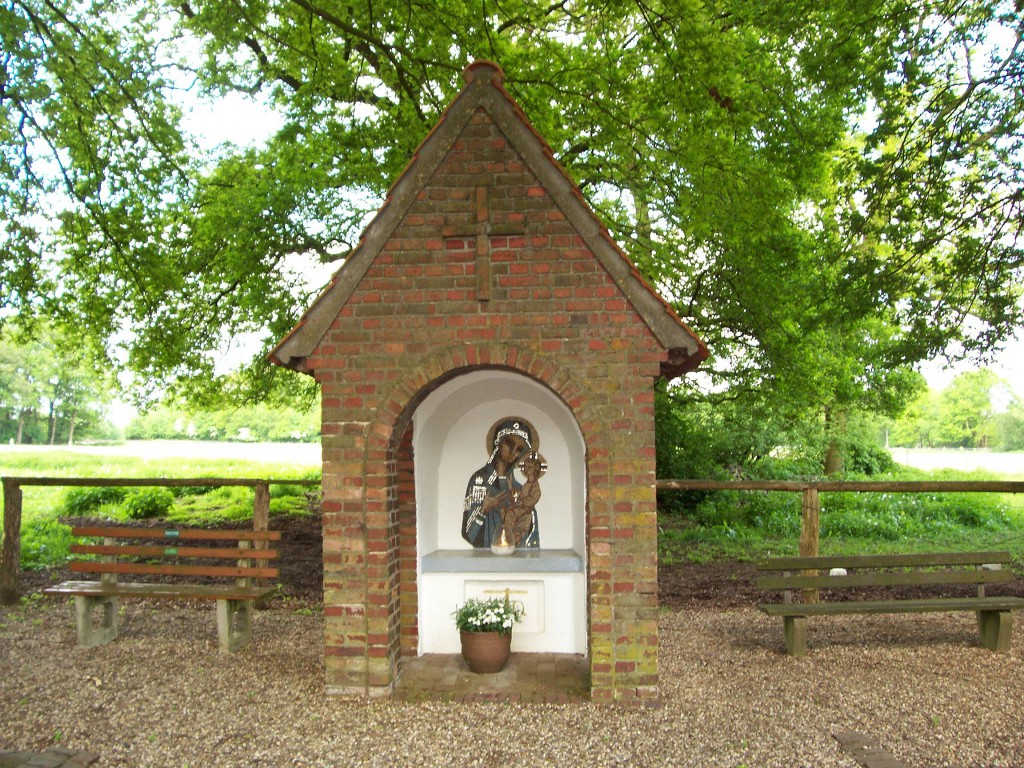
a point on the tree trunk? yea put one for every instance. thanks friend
(53, 424)
(833, 459)
(835, 425)
(21, 424)
(71, 426)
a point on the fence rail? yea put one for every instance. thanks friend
(846, 486)
(10, 551)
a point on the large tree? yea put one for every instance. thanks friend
(825, 191)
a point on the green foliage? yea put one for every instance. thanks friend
(288, 499)
(218, 504)
(695, 439)
(867, 457)
(825, 192)
(182, 491)
(81, 501)
(45, 503)
(896, 517)
(917, 426)
(1009, 427)
(965, 409)
(48, 391)
(45, 540)
(144, 503)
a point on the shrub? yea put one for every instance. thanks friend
(45, 543)
(181, 491)
(278, 490)
(867, 458)
(148, 502)
(82, 501)
(289, 505)
(219, 504)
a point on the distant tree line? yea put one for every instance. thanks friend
(978, 410)
(51, 395)
(259, 423)
(49, 391)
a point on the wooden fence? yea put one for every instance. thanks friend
(10, 552)
(810, 491)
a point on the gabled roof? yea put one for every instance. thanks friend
(484, 90)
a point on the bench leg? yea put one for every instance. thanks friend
(794, 632)
(234, 624)
(101, 633)
(996, 628)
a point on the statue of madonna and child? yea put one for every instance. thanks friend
(499, 511)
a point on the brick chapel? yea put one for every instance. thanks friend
(486, 298)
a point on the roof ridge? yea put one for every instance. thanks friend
(485, 89)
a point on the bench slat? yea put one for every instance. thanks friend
(945, 604)
(142, 550)
(127, 532)
(885, 579)
(165, 591)
(922, 559)
(174, 569)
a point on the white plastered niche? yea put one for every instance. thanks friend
(449, 445)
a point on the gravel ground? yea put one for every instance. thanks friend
(161, 695)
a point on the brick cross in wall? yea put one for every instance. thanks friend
(482, 231)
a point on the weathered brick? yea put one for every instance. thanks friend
(415, 319)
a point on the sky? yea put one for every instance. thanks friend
(233, 118)
(1008, 365)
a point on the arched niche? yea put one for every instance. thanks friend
(449, 445)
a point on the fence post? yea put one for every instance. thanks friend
(10, 553)
(810, 513)
(261, 522)
(261, 508)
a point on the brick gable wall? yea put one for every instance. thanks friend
(414, 321)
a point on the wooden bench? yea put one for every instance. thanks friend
(802, 576)
(159, 552)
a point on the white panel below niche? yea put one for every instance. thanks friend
(560, 610)
(527, 594)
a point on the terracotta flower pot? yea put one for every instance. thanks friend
(486, 652)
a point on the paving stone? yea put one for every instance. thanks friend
(866, 750)
(538, 678)
(55, 757)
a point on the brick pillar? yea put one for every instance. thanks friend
(345, 550)
(382, 633)
(407, 587)
(622, 549)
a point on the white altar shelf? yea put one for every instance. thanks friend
(521, 561)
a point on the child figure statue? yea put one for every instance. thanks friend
(521, 517)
